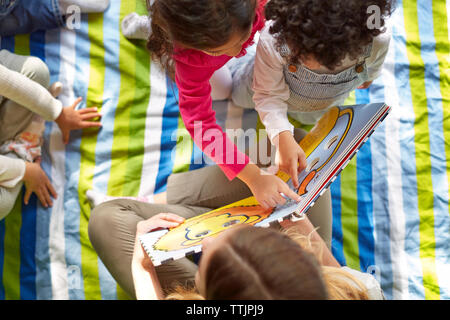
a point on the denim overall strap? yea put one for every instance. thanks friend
(310, 91)
(6, 6)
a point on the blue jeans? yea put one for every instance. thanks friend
(31, 15)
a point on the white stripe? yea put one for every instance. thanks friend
(394, 179)
(153, 128)
(57, 152)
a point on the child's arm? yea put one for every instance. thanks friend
(28, 93)
(195, 105)
(12, 171)
(270, 95)
(380, 47)
(31, 95)
(270, 89)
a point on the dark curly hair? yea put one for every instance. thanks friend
(327, 30)
(195, 24)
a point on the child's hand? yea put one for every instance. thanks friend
(365, 85)
(71, 119)
(290, 157)
(36, 181)
(266, 187)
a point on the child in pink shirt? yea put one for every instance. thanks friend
(192, 39)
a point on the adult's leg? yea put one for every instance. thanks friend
(205, 187)
(112, 231)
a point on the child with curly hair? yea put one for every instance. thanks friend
(310, 56)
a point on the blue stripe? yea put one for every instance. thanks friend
(437, 142)
(407, 152)
(6, 43)
(72, 168)
(380, 198)
(28, 228)
(169, 125)
(27, 250)
(43, 273)
(197, 158)
(366, 241)
(337, 247)
(111, 36)
(42, 260)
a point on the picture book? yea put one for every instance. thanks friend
(329, 146)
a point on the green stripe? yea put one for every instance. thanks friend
(138, 116)
(184, 149)
(349, 207)
(22, 45)
(139, 84)
(11, 265)
(443, 53)
(89, 259)
(349, 215)
(13, 222)
(422, 149)
(127, 92)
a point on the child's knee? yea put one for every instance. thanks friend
(221, 84)
(36, 70)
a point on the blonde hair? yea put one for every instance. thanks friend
(340, 285)
(183, 293)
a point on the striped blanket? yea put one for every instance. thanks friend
(390, 205)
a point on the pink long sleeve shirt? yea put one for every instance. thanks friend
(193, 70)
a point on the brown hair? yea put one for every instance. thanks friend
(262, 263)
(196, 24)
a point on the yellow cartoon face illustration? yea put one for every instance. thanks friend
(194, 230)
(322, 143)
